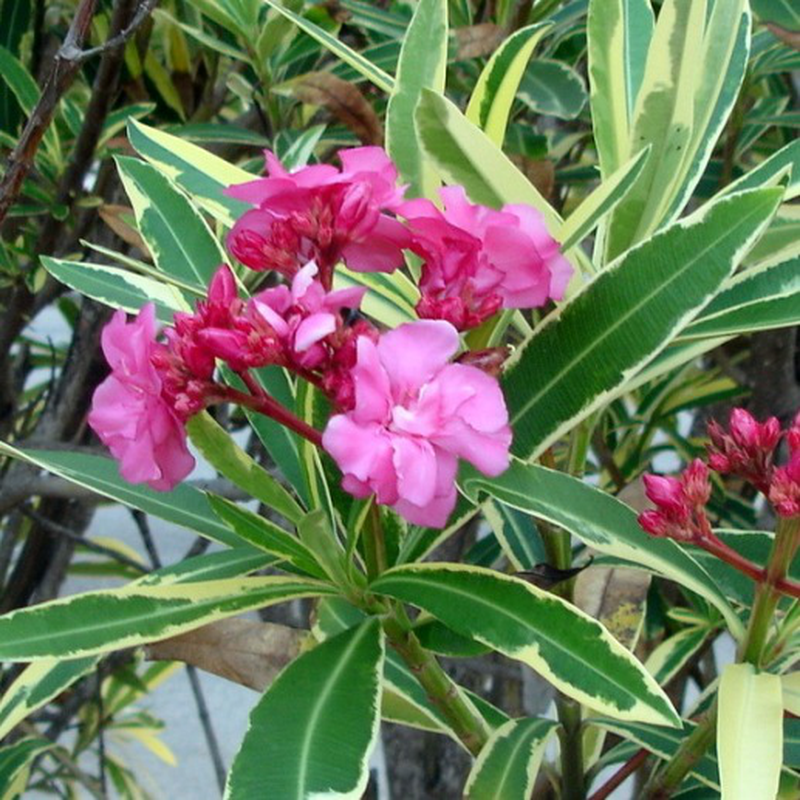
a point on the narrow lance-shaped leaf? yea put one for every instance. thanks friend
(266, 535)
(96, 622)
(583, 355)
(600, 521)
(619, 34)
(175, 232)
(491, 99)
(749, 733)
(201, 174)
(507, 766)
(184, 505)
(311, 734)
(362, 65)
(567, 647)
(118, 288)
(422, 63)
(228, 458)
(43, 680)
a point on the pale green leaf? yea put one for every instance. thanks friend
(491, 99)
(749, 733)
(422, 63)
(552, 88)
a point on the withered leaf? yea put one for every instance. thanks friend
(241, 650)
(792, 38)
(115, 218)
(476, 41)
(344, 100)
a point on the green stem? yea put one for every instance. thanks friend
(573, 779)
(374, 543)
(768, 594)
(443, 693)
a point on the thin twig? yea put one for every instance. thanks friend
(140, 518)
(60, 530)
(207, 726)
(621, 775)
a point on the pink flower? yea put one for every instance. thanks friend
(129, 413)
(319, 213)
(415, 415)
(746, 449)
(477, 259)
(784, 491)
(306, 315)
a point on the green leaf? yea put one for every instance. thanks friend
(680, 110)
(96, 622)
(25, 89)
(553, 88)
(782, 12)
(567, 647)
(118, 288)
(769, 169)
(183, 505)
(491, 99)
(599, 520)
(673, 653)
(178, 237)
(362, 65)
(754, 300)
(390, 299)
(664, 743)
(266, 535)
(16, 18)
(15, 764)
(507, 766)
(601, 201)
(619, 34)
(517, 535)
(422, 63)
(318, 536)
(219, 449)
(311, 734)
(463, 154)
(749, 733)
(203, 176)
(583, 356)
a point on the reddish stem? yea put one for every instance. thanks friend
(264, 404)
(621, 775)
(727, 554)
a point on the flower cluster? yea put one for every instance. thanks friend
(406, 406)
(747, 449)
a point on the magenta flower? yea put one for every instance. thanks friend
(305, 315)
(415, 415)
(477, 259)
(321, 214)
(129, 413)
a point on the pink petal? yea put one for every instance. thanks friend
(373, 394)
(415, 352)
(415, 465)
(312, 329)
(345, 298)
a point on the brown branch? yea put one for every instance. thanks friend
(66, 64)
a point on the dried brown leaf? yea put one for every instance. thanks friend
(540, 172)
(243, 651)
(344, 100)
(113, 216)
(792, 38)
(616, 597)
(477, 41)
